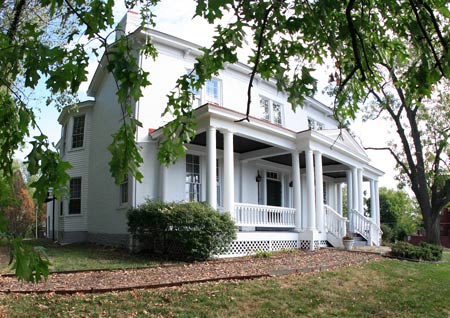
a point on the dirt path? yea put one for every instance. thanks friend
(163, 276)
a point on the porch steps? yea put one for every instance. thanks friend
(359, 240)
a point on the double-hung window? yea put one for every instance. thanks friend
(212, 91)
(75, 196)
(124, 191)
(78, 131)
(315, 125)
(193, 181)
(271, 110)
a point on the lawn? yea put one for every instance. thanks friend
(86, 256)
(388, 288)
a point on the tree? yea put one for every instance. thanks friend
(20, 211)
(289, 38)
(398, 212)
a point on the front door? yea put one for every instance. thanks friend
(273, 192)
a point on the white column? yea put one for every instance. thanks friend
(228, 175)
(355, 191)
(211, 187)
(349, 190)
(360, 191)
(297, 189)
(311, 225)
(349, 175)
(377, 202)
(339, 198)
(304, 199)
(164, 183)
(373, 204)
(319, 191)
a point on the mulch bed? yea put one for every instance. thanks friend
(164, 276)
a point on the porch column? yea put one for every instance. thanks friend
(228, 175)
(360, 191)
(373, 204)
(339, 198)
(297, 190)
(211, 187)
(319, 191)
(311, 225)
(377, 202)
(355, 191)
(349, 175)
(164, 183)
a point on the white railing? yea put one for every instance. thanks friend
(335, 223)
(263, 215)
(366, 227)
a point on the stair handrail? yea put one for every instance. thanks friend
(335, 223)
(366, 227)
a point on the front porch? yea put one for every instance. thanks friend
(283, 189)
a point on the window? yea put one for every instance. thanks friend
(124, 191)
(78, 131)
(193, 184)
(315, 125)
(271, 110)
(75, 196)
(212, 88)
(211, 92)
(63, 139)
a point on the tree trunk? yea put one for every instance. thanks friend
(432, 227)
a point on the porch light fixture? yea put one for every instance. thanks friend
(258, 177)
(291, 184)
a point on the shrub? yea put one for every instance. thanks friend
(187, 231)
(388, 233)
(263, 254)
(424, 251)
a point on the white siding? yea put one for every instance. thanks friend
(105, 213)
(79, 159)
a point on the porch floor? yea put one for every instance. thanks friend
(243, 268)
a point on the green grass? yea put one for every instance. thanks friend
(87, 256)
(388, 288)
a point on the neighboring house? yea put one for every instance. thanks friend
(280, 176)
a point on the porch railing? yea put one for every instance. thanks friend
(264, 215)
(366, 227)
(335, 223)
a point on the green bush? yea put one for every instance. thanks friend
(187, 231)
(388, 233)
(425, 251)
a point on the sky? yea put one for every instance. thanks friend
(179, 22)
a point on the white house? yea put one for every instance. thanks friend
(280, 176)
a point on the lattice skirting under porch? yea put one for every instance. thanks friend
(241, 248)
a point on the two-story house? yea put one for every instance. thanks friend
(280, 176)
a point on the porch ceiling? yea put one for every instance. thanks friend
(244, 145)
(287, 161)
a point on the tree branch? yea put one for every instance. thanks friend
(353, 32)
(255, 66)
(425, 34)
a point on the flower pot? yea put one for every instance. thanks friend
(348, 244)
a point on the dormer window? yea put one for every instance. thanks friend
(271, 110)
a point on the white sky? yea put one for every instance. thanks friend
(175, 17)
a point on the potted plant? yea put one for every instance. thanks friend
(348, 241)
